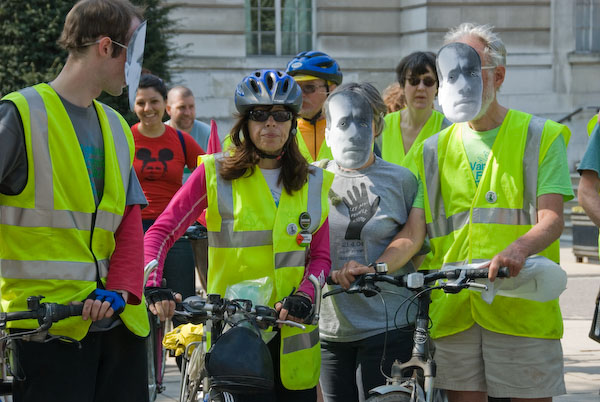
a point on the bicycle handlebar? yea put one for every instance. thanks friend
(45, 313)
(462, 279)
(196, 310)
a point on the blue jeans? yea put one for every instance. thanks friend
(350, 369)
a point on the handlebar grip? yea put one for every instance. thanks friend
(60, 312)
(330, 281)
(503, 272)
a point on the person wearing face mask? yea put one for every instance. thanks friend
(71, 230)
(161, 153)
(371, 220)
(494, 184)
(266, 216)
(318, 75)
(407, 128)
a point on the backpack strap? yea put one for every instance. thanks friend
(182, 144)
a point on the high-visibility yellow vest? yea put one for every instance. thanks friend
(324, 150)
(392, 146)
(592, 124)
(52, 235)
(468, 224)
(249, 237)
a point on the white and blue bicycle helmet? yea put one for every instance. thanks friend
(268, 87)
(316, 64)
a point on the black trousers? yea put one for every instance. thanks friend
(350, 369)
(110, 366)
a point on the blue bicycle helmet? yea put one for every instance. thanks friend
(268, 87)
(317, 64)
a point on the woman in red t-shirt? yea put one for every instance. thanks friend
(161, 153)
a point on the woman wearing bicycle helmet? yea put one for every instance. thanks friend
(317, 74)
(266, 216)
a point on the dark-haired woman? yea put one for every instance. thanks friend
(266, 216)
(161, 153)
(409, 127)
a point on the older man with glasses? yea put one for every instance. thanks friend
(318, 75)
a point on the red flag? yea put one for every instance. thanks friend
(214, 145)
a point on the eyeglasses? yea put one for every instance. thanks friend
(263, 115)
(311, 88)
(427, 81)
(98, 41)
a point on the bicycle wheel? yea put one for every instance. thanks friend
(398, 396)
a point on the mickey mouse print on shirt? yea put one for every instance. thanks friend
(154, 168)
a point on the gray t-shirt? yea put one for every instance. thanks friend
(375, 203)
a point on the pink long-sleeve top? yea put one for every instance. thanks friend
(187, 205)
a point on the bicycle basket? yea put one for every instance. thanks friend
(240, 362)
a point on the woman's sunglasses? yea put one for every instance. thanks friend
(427, 81)
(262, 115)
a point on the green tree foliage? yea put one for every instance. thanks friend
(29, 53)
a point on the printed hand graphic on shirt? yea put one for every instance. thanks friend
(153, 168)
(360, 210)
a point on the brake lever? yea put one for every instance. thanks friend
(291, 324)
(459, 284)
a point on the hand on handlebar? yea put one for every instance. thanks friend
(296, 305)
(513, 257)
(102, 304)
(348, 273)
(161, 301)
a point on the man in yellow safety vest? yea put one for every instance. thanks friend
(70, 216)
(493, 187)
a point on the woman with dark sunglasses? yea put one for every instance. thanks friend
(266, 216)
(407, 128)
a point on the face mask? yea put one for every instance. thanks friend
(349, 131)
(133, 65)
(461, 86)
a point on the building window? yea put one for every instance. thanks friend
(279, 27)
(587, 26)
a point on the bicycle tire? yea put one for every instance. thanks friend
(391, 397)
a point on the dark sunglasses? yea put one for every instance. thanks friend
(427, 81)
(310, 88)
(262, 115)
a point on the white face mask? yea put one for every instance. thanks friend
(349, 131)
(461, 86)
(133, 64)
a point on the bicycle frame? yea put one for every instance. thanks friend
(421, 361)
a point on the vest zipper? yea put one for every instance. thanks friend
(98, 277)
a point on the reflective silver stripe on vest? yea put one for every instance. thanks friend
(290, 259)
(228, 238)
(44, 186)
(460, 264)
(49, 270)
(121, 144)
(300, 342)
(59, 219)
(531, 164)
(442, 226)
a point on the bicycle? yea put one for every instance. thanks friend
(219, 316)
(412, 381)
(46, 314)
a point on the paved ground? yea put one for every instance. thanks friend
(582, 355)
